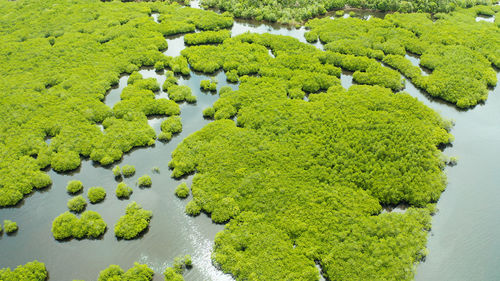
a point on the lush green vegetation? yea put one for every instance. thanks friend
(207, 37)
(135, 221)
(308, 179)
(10, 226)
(458, 50)
(300, 10)
(123, 191)
(59, 58)
(89, 225)
(74, 186)
(182, 190)
(33, 271)
(170, 127)
(208, 85)
(128, 170)
(96, 194)
(77, 204)
(144, 181)
(139, 272)
(117, 172)
(174, 273)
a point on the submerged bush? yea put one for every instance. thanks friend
(10, 226)
(96, 194)
(77, 204)
(135, 221)
(74, 186)
(182, 190)
(123, 190)
(128, 170)
(67, 226)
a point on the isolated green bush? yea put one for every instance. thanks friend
(9, 226)
(89, 225)
(182, 190)
(77, 204)
(144, 181)
(74, 186)
(115, 273)
(133, 222)
(128, 170)
(96, 194)
(123, 190)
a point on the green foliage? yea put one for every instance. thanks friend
(175, 272)
(193, 208)
(207, 37)
(144, 181)
(96, 194)
(77, 204)
(139, 272)
(169, 127)
(128, 170)
(208, 85)
(67, 226)
(455, 48)
(117, 172)
(135, 221)
(182, 190)
(10, 226)
(58, 60)
(297, 11)
(74, 186)
(123, 190)
(181, 93)
(32, 271)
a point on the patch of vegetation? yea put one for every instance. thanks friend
(144, 181)
(208, 85)
(115, 273)
(308, 178)
(67, 226)
(207, 37)
(77, 204)
(96, 194)
(182, 190)
(123, 191)
(74, 186)
(455, 48)
(135, 221)
(10, 226)
(33, 271)
(117, 172)
(59, 62)
(297, 11)
(174, 273)
(128, 170)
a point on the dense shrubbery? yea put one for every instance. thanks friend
(58, 61)
(169, 127)
(128, 170)
(32, 271)
(96, 194)
(307, 179)
(455, 48)
(175, 272)
(207, 37)
(139, 272)
(182, 190)
(123, 190)
(74, 186)
(10, 226)
(135, 221)
(297, 11)
(117, 172)
(67, 226)
(144, 181)
(208, 85)
(77, 204)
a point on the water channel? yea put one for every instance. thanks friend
(463, 241)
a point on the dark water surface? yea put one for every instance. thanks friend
(463, 243)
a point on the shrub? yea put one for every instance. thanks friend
(144, 181)
(117, 171)
(182, 190)
(77, 204)
(123, 190)
(128, 170)
(208, 85)
(96, 194)
(10, 226)
(133, 222)
(192, 208)
(67, 226)
(32, 271)
(139, 272)
(172, 125)
(74, 186)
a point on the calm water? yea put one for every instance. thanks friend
(462, 243)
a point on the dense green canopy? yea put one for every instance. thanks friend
(89, 225)
(33, 271)
(139, 272)
(135, 221)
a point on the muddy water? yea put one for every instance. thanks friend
(463, 242)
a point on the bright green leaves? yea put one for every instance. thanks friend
(135, 221)
(115, 273)
(123, 191)
(96, 194)
(77, 204)
(33, 271)
(67, 226)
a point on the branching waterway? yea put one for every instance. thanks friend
(462, 243)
